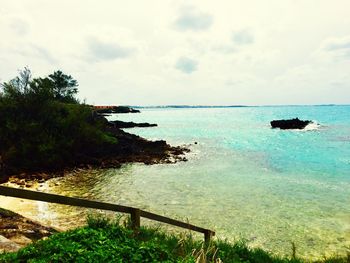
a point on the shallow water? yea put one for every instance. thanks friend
(243, 179)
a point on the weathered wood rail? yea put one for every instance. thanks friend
(135, 213)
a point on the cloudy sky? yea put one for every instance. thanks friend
(184, 52)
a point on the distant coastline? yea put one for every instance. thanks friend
(229, 106)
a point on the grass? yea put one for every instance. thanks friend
(103, 240)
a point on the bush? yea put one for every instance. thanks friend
(106, 241)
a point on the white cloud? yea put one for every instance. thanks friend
(186, 65)
(225, 49)
(192, 19)
(33, 50)
(19, 26)
(338, 44)
(243, 37)
(338, 47)
(99, 50)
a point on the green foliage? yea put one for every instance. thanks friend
(104, 240)
(95, 243)
(64, 86)
(40, 129)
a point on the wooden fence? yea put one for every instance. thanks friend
(135, 213)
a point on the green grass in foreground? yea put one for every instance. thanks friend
(105, 241)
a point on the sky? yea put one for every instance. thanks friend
(270, 52)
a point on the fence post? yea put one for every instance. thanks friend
(207, 236)
(135, 219)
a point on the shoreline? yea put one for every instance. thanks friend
(129, 149)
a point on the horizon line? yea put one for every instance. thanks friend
(233, 106)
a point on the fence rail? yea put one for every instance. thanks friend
(135, 213)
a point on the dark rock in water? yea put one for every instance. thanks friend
(123, 124)
(289, 124)
(124, 109)
(116, 109)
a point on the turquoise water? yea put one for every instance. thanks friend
(243, 179)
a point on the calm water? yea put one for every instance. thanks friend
(243, 179)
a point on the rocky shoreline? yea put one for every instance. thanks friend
(17, 231)
(129, 149)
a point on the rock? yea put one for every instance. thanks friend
(13, 225)
(122, 124)
(21, 240)
(29, 184)
(21, 182)
(17, 231)
(289, 124)
(124, 109)
(6, 245)
(116, 109)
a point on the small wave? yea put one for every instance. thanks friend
(312, 126)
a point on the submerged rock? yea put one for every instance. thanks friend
(290, 124)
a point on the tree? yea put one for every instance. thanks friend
(57, 86)
(19, 85)
(44, 127)
(65, 87)
(23, 80)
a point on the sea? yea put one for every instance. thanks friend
(271, 188)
